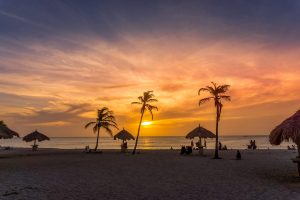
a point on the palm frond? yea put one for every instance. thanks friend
(215, 85)
(204, 100)
(108, 121)
(225, 97)
(150, 111)
(223, 88)
(141, 99)
(152, 100)
(108, 124)
(95, 128)
(136, 102)
(202, 90)
(109, 117)
(108, 130)
(88, 124)
(151, 107)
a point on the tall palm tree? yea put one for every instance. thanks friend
(217, 94)
(105, 119)
(145, 101)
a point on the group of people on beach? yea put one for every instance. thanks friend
(252, 145)
(198, 145)
(221, 147)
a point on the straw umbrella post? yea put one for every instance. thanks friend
(200, 132)
(288, 129)
(35, 136)
(124, 135)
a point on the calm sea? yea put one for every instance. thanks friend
(232, 142)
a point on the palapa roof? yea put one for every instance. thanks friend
(200, 132)
(6, 132)
(124, 135)
(288, 129)
(35, 136)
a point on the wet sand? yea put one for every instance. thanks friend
(156, 174)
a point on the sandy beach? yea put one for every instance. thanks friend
(155, 174)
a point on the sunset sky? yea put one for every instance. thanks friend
(61, 60)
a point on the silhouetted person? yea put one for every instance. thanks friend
(254, 145)
(220, 146)
(189, 150)
(182, 151)
(238, 155)
(205, 144)
(192, 143)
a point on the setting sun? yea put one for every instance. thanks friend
(146, 123)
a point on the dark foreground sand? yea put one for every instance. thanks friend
(262, 174)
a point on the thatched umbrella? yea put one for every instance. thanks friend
(6, 132)
(124, 135)
(35, 136)
(288, 129)
(200, 132)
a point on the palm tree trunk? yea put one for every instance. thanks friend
(96, 147)
(137, 137)
(217, 135)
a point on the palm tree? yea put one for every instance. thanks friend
(145, 101)
(105, 119)
(217, 94)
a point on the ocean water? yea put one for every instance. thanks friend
(232, 142)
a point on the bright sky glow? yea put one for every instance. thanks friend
(61, 60)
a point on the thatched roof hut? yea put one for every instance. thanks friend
(5, 132)
(200, 132)
(288, 129)
(124, 135)
(35, 136)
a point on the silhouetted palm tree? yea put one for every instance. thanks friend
(144, 100)
(217, 94)
(105, 119)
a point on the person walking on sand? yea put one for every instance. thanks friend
(238, 155)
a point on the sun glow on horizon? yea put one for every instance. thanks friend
(146, 123)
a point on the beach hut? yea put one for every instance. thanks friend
(200, 132)
(288, 129)
(6, 133)
(35, 136)
(124, 136)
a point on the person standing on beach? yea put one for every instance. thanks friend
(238, 155)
